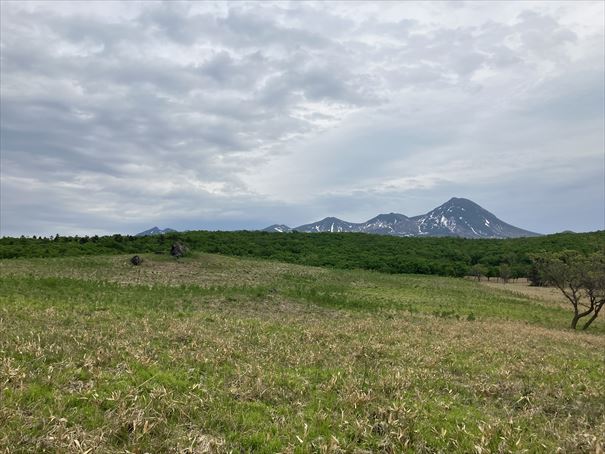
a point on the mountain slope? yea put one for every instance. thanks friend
(390, 224)
(155, 231)
(281, 228)
(329, 225)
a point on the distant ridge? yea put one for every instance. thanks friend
(329, 225)
(457, 217)
(155, 231)
(281, 228)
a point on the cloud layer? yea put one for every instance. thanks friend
(119, 116)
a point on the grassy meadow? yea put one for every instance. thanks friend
(218, 354)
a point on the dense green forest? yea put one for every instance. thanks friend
(441, 256)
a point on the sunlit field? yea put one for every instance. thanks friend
(217, 354)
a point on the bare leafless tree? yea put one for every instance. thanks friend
(580, 278)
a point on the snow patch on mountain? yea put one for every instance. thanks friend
(279, 228)
(155, 231)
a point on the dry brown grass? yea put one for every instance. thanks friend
(205, 270)
(522, 287)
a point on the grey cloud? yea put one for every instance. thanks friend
(242, 27)
(543, 34)
(399, 30)
(249, 28)
(305, 16)
(172, 20)
(569, 100)
(317, 83)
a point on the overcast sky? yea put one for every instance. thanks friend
(116, 117)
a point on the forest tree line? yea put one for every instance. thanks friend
(441, 256)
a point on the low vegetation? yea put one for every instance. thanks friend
(215, 354)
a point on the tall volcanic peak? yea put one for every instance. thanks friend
(456, 217)
(463, 217)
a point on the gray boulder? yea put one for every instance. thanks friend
(178, 249)
(136, 260)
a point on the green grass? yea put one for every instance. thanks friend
(219, 354)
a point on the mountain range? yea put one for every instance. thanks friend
(456, 217)
(155, 231)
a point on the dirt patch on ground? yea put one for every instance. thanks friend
(550, 294)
